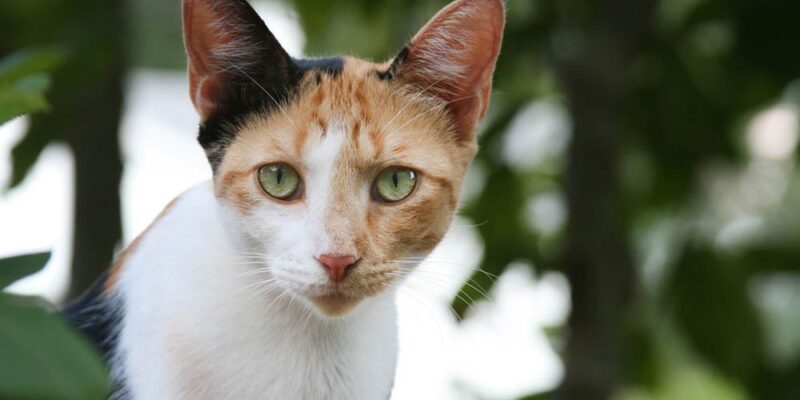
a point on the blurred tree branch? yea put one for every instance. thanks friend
(597, 257)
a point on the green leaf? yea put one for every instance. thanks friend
(16, 268)
(42, 358)
(35, 83)
(23, 81)
(25, 63)
(15, 103)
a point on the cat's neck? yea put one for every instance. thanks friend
(198, 324)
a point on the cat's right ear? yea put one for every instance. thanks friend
(233, 57)
(453, 57)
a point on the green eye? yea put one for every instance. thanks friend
(394, 184)
(279, 181)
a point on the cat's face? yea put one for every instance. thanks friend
(338, 175)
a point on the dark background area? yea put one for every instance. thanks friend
(682, 237)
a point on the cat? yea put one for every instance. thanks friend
(332, 178)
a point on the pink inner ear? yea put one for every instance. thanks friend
(454, 56)
(202, 36)
(205, 91)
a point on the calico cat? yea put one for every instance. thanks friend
(331, 176)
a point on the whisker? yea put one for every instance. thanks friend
(475, 225)
(432, 109)
(276, 299)
(441, 278)
(416, 97)
(254, 272)
(428, 311)
(260, 288)
(445, 261)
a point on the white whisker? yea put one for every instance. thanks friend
(416, 97)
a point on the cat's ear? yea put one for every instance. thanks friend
(233, 56)
(454, 56)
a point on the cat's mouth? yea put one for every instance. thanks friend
(335, 299)
(334, 304)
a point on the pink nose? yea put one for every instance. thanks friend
(337, 266)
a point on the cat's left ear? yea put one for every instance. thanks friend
(233, 57)
(453, 57)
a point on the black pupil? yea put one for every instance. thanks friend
(279, 175)
(395, 179)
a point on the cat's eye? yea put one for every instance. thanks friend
(279, 180)
(394, 184)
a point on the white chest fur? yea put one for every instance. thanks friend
(193, 329)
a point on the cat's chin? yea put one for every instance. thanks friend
(334, 304)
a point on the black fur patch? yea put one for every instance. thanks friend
(394, 68)
(94, 315)
(332, 66)
(259, 95)
(97, 317)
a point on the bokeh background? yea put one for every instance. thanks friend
(630, 229)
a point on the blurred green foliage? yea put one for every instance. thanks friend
(156, 38)
(23, 82)
(41, 358)
(81, 38)
(85, 93)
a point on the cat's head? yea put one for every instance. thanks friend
(338, 174)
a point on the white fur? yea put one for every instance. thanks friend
(200, 324)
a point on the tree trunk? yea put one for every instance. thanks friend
(98, 172)
(597, 257)
(96, 108)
